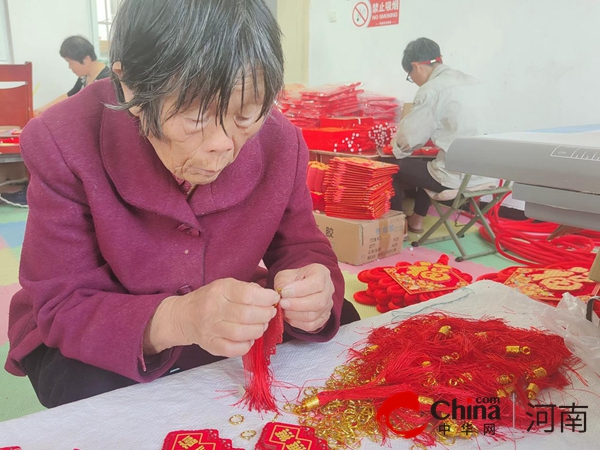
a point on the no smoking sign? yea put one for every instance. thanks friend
(360, 14)
(376, 13)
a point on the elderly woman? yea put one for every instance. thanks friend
(153, 200)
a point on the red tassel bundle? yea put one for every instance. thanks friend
(463, 372)
(259, 376)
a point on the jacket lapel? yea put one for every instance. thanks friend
(138, 174)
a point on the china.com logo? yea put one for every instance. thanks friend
(486, 408)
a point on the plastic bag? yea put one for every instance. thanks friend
(581, 336)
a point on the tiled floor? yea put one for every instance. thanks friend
(16, 395)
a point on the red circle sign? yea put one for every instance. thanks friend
(360, 14)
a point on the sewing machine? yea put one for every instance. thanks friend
(557, 174)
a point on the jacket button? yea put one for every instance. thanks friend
(189, 230)
(186, 289)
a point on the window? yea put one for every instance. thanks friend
(105, 14)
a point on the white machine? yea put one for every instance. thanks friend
(556, 174)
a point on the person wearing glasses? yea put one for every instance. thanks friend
(447, 106)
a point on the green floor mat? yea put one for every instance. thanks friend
(17, 398)
(9, 214)
(473, 243)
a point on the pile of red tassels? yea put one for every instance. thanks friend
(465, 373)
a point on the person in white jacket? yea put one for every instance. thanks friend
(447, 105)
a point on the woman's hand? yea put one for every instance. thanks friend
(307, 296)
(224, 317)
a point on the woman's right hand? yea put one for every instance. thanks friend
(224, 317)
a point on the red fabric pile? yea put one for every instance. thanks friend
(305, 107)
(357, 188)
(316, 183)
(380, 107)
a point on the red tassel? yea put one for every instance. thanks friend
(439, 357)
(259, 376)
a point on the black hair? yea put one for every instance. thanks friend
(195, 50)
(420, 50)
(77, 48)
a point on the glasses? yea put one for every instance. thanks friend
(408, 78)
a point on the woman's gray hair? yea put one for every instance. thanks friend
(194, 50)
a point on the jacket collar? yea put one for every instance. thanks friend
(438, 70)
(143, 181)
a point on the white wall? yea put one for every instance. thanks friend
(539, 59)
(38, 28)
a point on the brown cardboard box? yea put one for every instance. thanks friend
(359, 242)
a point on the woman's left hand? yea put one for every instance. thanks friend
(307, 296)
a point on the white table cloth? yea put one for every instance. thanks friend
(139, 417)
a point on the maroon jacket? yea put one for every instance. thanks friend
(110, 234)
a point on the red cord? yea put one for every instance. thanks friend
(527, 242)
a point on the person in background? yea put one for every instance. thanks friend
(447, 106)
(81, 57)
(154, 198)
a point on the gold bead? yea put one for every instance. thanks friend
(505, 391)
(515, 350)
(506, 379)
(310, 403)
(532, 391)
(537, 372)
(446, 330)
(425, 400)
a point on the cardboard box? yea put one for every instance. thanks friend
(359, 242)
